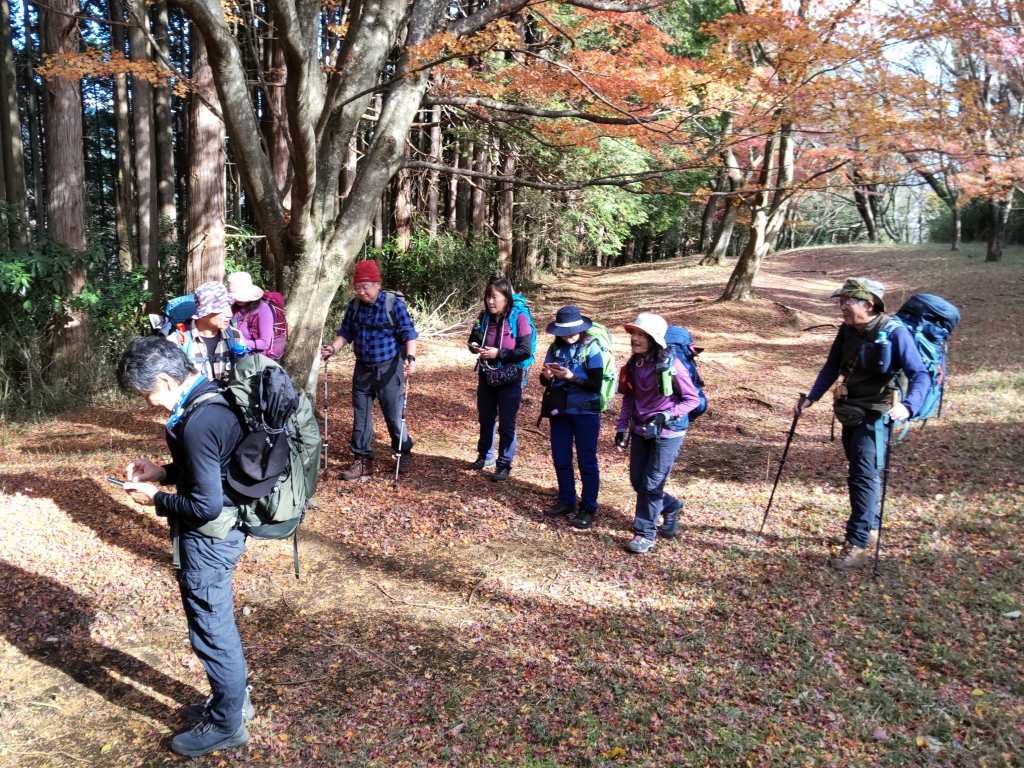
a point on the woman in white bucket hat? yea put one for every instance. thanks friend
(657, 397)
(254, 317)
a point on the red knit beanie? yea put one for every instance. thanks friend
(366, 272)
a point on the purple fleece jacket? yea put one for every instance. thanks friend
(646, 400)
(265, 322)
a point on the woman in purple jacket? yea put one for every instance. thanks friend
(254, 318)
(658, 396)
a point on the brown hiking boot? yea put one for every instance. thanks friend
(407, 464)
(872, 539)
(363, 467)
(851, 557)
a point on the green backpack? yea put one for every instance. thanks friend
(279, 514)
(609, 382)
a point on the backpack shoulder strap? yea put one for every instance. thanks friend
(210, 398)
(389, 308)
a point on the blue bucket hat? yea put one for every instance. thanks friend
(568, 322)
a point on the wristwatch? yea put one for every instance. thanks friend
(410, 358)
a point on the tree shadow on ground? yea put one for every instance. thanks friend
(88, 503)
(50, 624)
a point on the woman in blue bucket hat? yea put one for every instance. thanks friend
(573, 369)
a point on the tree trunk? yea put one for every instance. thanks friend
(452, 198)
(463, 199)
(707, 221)
(207, 197)
(277, 141)
(65, 180)
(10, 130)
(432, 176)
(124, 208)
(723, 235)
(479, 200)
(867, 212)
(767, 219)
(503, 212)
(145, 158)
(999, 213)
(378, 225)
(167, 225)
(34, 131)
(403, 207)
(957, 227)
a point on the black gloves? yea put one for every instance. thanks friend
(620, 439)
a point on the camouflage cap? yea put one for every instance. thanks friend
(862, 288)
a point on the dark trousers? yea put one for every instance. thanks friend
(863, 480)
(650, 463)
(498, 405)
(207, 570)
(383, 383)
(583, 429)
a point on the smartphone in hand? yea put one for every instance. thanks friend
(115, 481)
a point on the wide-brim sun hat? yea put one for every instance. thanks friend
(241, 289)
(862, 288)
(653, 325)
(568, 322)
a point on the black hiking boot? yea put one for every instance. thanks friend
(559, 510)
(481, 463)
(584, 521)
(670, 522)
(501, 474)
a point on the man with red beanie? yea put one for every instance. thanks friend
(378, 326)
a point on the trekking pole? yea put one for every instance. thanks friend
(326, 361)
(401, 433)
(885, 484)
(782, 463)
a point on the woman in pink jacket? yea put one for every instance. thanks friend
(658, 396)
(255, 318)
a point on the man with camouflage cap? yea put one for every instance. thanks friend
(877, 360)
(208, 340)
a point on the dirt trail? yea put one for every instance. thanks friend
(449, 623)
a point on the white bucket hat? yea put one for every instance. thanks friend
(241, 289)
(653, 325)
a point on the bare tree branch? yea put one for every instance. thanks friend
(471, 101)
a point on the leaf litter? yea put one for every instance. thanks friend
(450, 623)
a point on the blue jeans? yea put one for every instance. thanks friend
(584, 429)
(863, 480)
(498, 405)
(207, 570)
(650, 462)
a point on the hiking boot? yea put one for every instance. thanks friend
(481, 463)
(872, 539)
(584, 521)
(851, 557)
(670, 522)
(501, 474)
(363, 467)
(407, 464)
(639, 545)
(196, 713)
(204, 739)
(559, 510)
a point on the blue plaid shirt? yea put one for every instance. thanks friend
(366, 328)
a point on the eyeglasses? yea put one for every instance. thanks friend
(851, 302)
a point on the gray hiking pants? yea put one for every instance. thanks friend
(384, 383)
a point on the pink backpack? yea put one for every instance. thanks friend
(276, 304)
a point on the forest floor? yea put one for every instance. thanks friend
(450, 623)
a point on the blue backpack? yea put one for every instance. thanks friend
(930, 320)
(178, 311)
(519, 307)
(680, 344)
